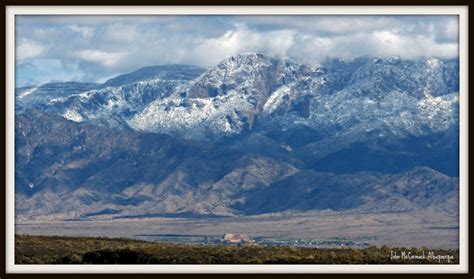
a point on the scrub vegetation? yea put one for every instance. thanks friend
(89, 250)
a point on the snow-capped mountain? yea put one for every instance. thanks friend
(112, 103)
(254, 134)
(226, 100)
(163, 72)
(414, 98)
(253, 91)
(408, 97)
(33, 95)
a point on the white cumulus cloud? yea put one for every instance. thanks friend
(102, 46)
(29, 49)
(85, 31)
(106, 59)
(243, 40)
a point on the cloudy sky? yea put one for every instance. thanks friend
(95, 48)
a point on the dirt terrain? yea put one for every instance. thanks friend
(409, 229)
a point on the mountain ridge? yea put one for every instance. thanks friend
(96, 170)
(253, 135)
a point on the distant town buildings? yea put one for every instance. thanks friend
(232, 238)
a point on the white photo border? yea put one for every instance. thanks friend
(11, 11)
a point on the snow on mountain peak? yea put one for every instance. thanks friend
(245, 90)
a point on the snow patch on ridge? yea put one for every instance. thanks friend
(28, 92)
(73, 115)
(275, 99)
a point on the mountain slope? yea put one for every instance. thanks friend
(120, 98)
(74, 170)
(34, 95)
(253, 135)
(256, 93)
(253, 91)
(167, 72)
(308, 190)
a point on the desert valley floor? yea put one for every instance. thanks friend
(320, 229)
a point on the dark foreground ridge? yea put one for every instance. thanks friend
(87, 250)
